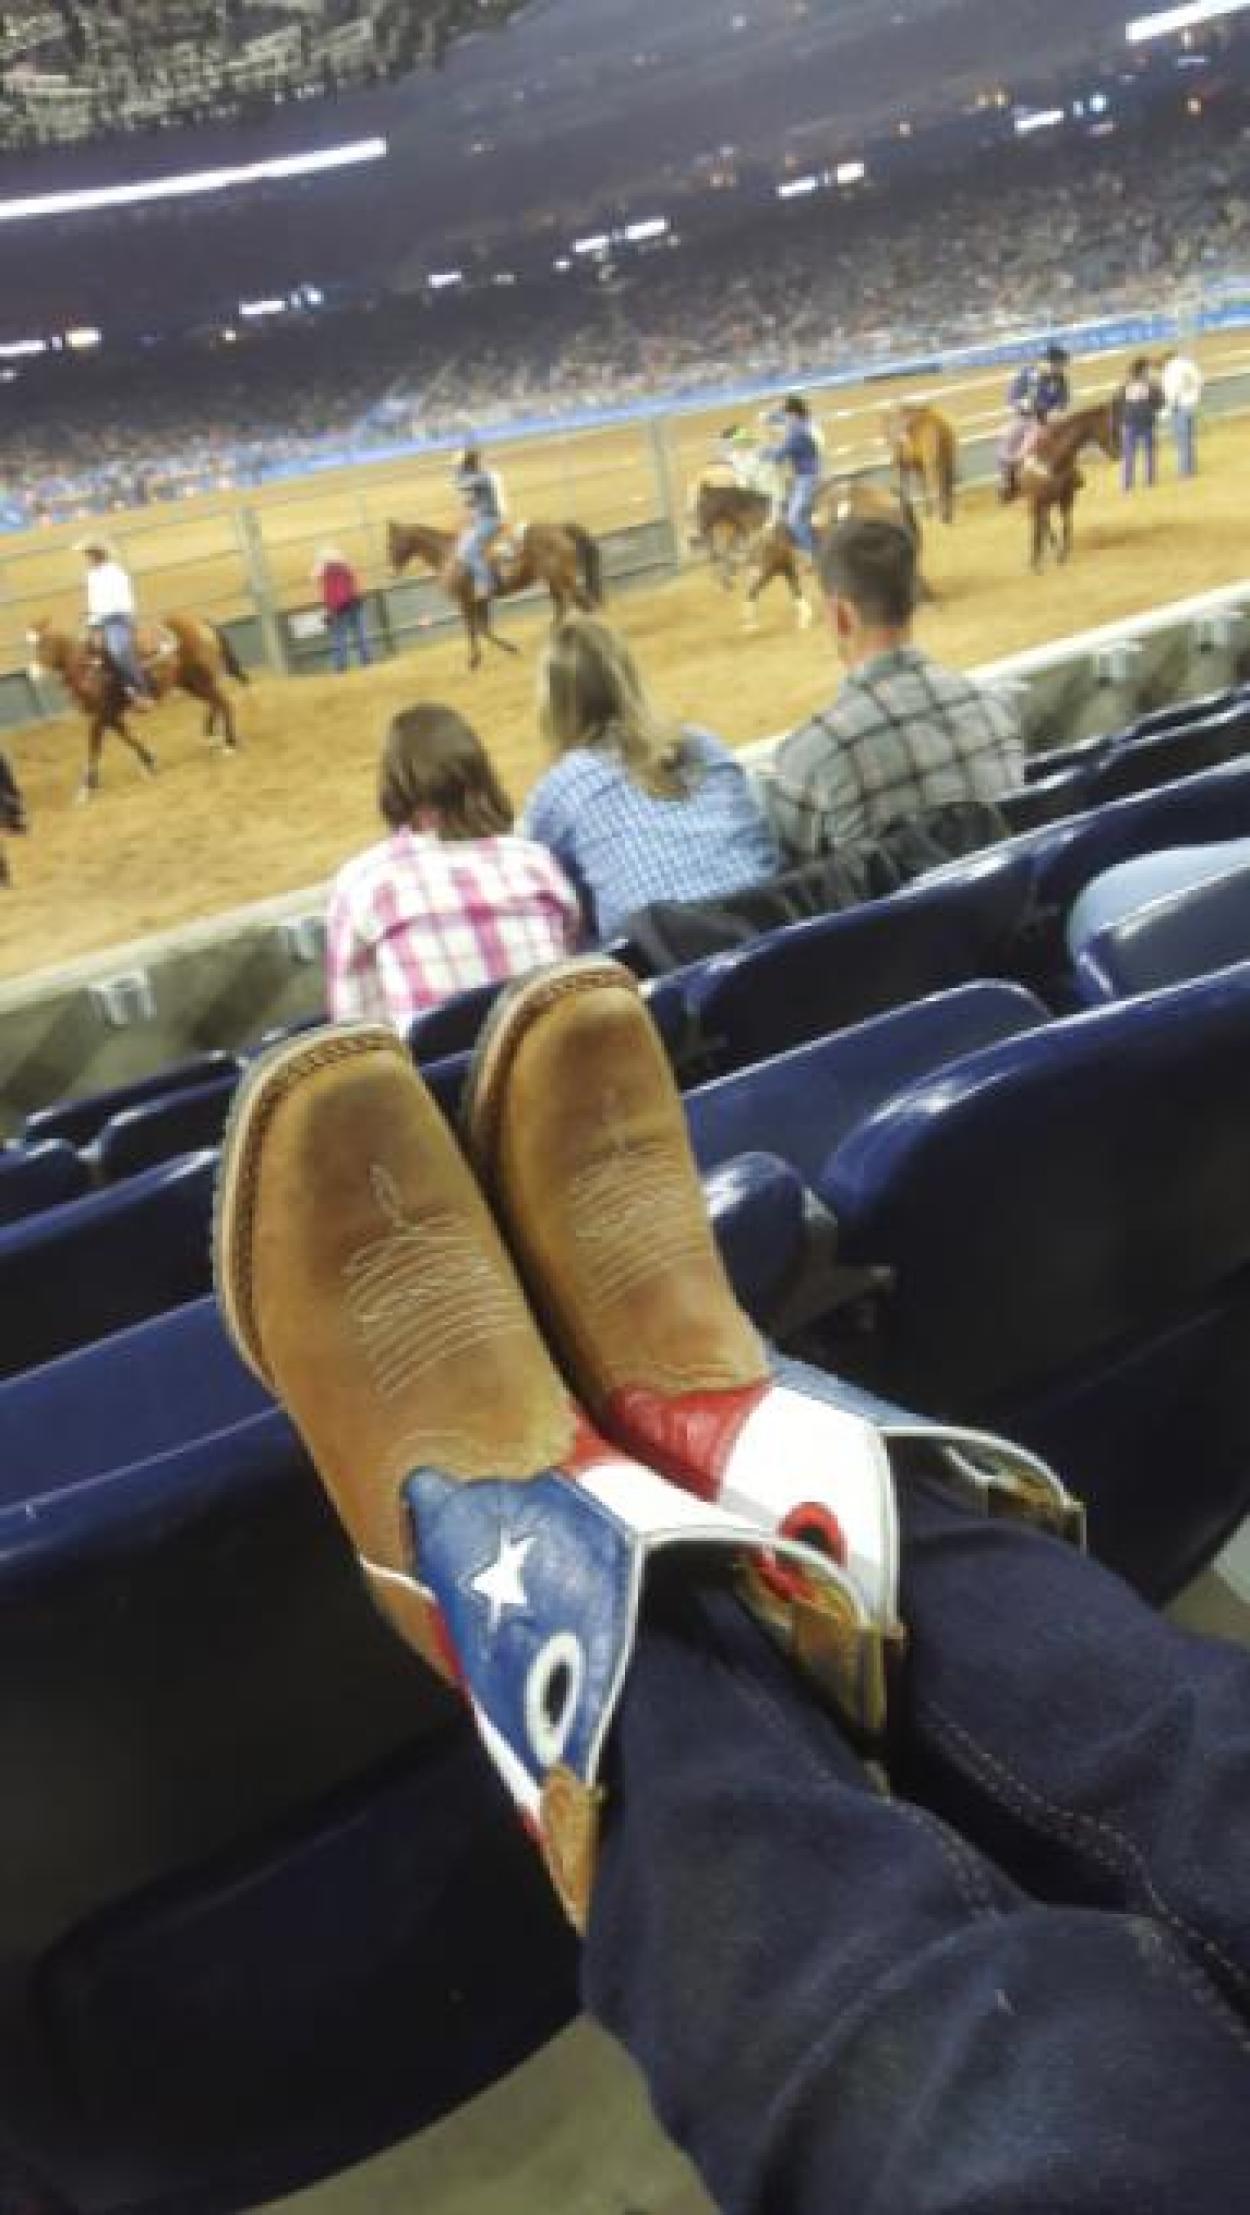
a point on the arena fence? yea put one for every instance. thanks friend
(224, 982)
(247, 563)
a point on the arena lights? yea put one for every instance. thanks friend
(1039, 119)
(254, 309)
(1166, 22)
(189, 183)
(442, 280)
(18, 348)
(81, 340)
(595, 242)
(850, 173)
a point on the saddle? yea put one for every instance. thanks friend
(154, 645)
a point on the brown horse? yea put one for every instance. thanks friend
(12, 812)
(561, 556)
(181, 654)
(925, 450)
(728, 519)
(1049, 478)
(838, 501)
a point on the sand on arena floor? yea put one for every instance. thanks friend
(212, 832)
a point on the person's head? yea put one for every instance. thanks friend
(1141, 367)
(794, 404)
(1055, 357)
(94, 551)
(868, 571)
(437, 776)
(471, 458)
(590, 694)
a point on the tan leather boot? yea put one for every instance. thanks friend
(362, 1276)
(577, 1130)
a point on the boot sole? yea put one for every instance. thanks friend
(519, 1006)
(259, 1094)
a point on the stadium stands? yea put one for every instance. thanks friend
(40, 1176)
(1186, 934)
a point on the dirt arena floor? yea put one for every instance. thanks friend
(213, 831)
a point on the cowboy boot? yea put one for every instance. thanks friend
(363, 1278)
(576, 1127)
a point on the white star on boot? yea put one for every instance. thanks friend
(501, 1583)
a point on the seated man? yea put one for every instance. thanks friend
(904, 734)
(481, 497)
(111, 614)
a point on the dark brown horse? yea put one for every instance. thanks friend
(924, 450)
(561, 556)
(183, 653)
(838, 501)
(728, 518)
(1049, 477)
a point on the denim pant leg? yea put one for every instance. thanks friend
(338, 638)
(841, 2009)
(1091, 1747)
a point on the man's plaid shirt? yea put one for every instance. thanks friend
(903, 736)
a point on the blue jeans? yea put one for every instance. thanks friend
(1021, 1986)
(1185, 432)
(472, 552)
(118, 633)
(799, 512)
(347, 635)
(1135, 443)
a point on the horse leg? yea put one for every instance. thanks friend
(147, 758)
(95, 747)
(801, 603)
(1065, 546)
(503, 645)
(1039, 536)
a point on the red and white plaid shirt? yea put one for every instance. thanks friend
(414, 920)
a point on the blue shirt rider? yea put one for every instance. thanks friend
(798, 452)
(481, 497)
(1037, 392)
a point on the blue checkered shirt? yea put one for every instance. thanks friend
(623, 848)
(904, 735)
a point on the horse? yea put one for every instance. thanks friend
(923, 447)
(561, 556)
(1049, 478)
(728, 519)
(12, 811)
(183, 653)
(838, 501)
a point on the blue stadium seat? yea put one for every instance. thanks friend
(1045, 799)
(821, 976)
(802, 1104)
(453, 1026)
(762, 1221)
(178, 1123)
(39, 1176)
(79, 1121)
(1138, 764)
(250, 1826)
(1186, 934)
(1178, 712)
(1066, 857)
(1055, 761)
(1067, 1217)
(80, 1271)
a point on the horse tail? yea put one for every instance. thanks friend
(589, 562)
(234, 667)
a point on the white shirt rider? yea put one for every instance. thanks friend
(1182, 384)
(110, 593)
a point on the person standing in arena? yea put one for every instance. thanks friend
(799, 452)
(111, 613)
(344, 606)
(481, 497)
(1183, 384)
(1140, 403)
(1037, 392)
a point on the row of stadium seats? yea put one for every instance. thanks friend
(1001, 914)
(251, 1830)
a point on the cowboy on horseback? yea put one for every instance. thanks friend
(111, 618)
(799, 452)
(1038, 392)
(481, 497)
(752, 470)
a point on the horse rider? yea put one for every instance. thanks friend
(111, 615)
(481, 497)
(1038, 392)
(739, 451)
(800, 452)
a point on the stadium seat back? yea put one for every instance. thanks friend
(40, 1176)
(1140, 764)
(1187, 934)
(79, 1121)
(818, 977)
(179, 1123)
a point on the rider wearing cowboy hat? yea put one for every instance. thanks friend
(111, 613)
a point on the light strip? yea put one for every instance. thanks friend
(188, 183)
(1166, 21)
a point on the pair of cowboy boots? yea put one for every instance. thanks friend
(525, 1381)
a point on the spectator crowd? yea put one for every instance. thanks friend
(803, 289)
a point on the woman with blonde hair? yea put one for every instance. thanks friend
(452, 897)
(636, 807)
